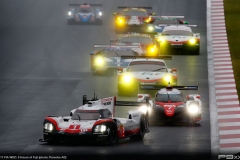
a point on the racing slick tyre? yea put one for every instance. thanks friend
(143, 129)
(113, 135)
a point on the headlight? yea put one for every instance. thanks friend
(144, 109)
(148, 20)
(69, 13)
(167, 78)
(100, 128)
(127, 79)
(48, 127)
(192, 41)
(150, 28)
(99, 61)
(161, 40)
(193, 109)
(100, 13)
(120, 20)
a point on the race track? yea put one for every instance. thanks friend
(45, 70)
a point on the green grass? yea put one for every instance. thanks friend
(232, 19)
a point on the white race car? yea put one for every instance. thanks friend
(94, 121)
(145, 72)
(178, 38)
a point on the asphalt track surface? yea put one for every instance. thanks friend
(45, 70)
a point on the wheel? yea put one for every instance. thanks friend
(143, 129)
(113, 136)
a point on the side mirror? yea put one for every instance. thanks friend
(174, 70)
(120, 70)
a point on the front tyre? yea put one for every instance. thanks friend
(113, 135)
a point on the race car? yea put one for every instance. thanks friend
(145, 72)
(157, 25)
(85, 14)
(169, 105)
(94, 121)
(148, 44)
(132, 19)
(109, 57)
(179, 39)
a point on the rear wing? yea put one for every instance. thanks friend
(147, 57)
(75, 4)
(106, 46)
(166, 17)
(134, 7)
(188, 25)
(158, 87)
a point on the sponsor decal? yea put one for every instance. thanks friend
(107, 101)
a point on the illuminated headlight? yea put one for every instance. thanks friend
(148, 20)
(48, 127)
(145, 109)
(150, 28)
(100, 13)
(152, 49)
(167, 78)
(100, 128)
(193, 109)
(127, 79)
(69, 13)
(161, 39)
(120, 20)
(99, 61)
(192, 41)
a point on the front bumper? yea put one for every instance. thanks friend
(180, 115)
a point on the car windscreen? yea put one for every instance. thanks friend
(171, 97)
(177, 32)
(134, 13)
(136, 39)
(165, 22)
(117, 53)
(85, 10)
(139, 66)
(86, 115)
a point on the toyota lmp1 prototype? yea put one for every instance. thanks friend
(145, 72)
(169, 105)
(178, 38)
(132, 19)
(85, 14)
(94, 121)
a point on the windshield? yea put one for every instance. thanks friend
(171, 97)
(134, 13)
(177, 32)
(117, 53)
(136, 39)
(85, 10)
(86, 115)
(139, 66)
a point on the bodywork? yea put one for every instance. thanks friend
(85, 13)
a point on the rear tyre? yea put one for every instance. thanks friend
(142, 131)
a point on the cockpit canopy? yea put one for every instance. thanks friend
(80, 114)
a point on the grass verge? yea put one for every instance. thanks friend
(232, 20)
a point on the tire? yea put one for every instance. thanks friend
(113, 135)
(142, 131)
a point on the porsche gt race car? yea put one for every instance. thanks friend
(179, 38)
(132, 19)
(110, 57)
(157, 25)
(85, 13)
(94, 121)
(145, 72)
(150, 46)
(169, 105)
